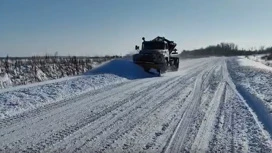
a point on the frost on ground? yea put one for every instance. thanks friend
(197, 109)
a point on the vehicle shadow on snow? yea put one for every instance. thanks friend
(122, 68)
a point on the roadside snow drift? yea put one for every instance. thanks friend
(122, 68)
(30, 97)
(251, 63)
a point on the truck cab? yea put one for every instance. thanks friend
(155, 54)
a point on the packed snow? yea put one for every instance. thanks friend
(204, 107)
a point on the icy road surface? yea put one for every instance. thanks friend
(196, 109)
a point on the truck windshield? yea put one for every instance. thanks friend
(153, 45)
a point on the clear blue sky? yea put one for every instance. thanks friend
(99, 27)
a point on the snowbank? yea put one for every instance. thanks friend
(259, 58)
(257, 105)
(251, 63)
(23, 99)
(253, 77)
(122, 68)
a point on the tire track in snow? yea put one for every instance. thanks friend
(155, 128)
(108, 92)
(49, 107)
(92, 117)
(156, 93)
(55, 105)
(78, 104)
(224, 124)
(235, 129)
(102, 121)
(132, 122)
(205, 131)
(176, 141)
(58, 136)
(139, 104)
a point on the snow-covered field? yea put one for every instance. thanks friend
(209, 105)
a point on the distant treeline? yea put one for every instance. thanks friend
(224, 49)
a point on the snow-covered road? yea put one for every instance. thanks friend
(196, 109)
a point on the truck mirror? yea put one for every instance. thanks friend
(136, 47)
